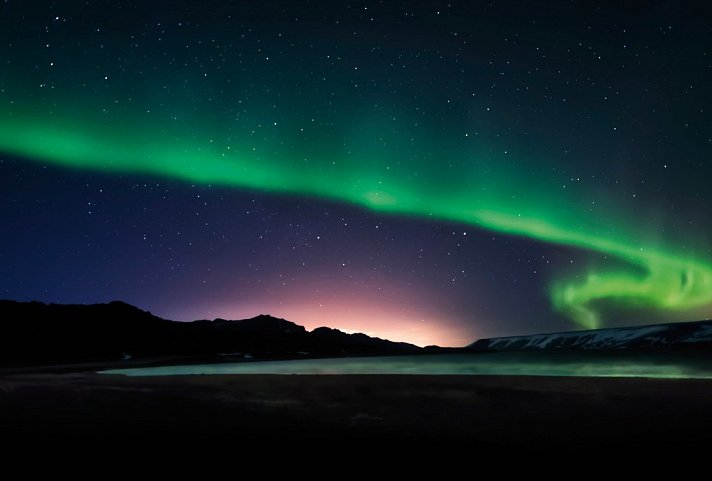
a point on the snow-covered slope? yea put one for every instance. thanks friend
(660, 335)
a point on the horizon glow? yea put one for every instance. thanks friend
(477, 192)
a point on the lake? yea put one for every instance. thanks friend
(497, 364)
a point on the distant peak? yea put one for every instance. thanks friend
(259, 318)
(269, 317)
(324, 330)
(121, 304)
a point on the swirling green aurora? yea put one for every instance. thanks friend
(382, 178)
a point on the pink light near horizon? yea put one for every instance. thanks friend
(386, 322)
(396, 314)
(387, 308)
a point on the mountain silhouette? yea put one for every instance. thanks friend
(34, 332)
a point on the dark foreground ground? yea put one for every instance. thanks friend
(529, 413)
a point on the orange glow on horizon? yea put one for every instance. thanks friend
(387, 322)
(388, 309)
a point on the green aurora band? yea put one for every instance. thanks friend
(656, 278)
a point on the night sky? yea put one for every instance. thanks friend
(432, 172)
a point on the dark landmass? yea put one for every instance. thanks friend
(47, 334)
(682, 336)
(528, 414)
(37, 333)
(45, 394)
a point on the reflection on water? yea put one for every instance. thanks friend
(525, 364)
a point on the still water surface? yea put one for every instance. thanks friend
(526, 364)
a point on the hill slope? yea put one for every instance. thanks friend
(37, 332)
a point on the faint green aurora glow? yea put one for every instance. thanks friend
(472, 192)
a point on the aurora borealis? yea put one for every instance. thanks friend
(572, 144)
